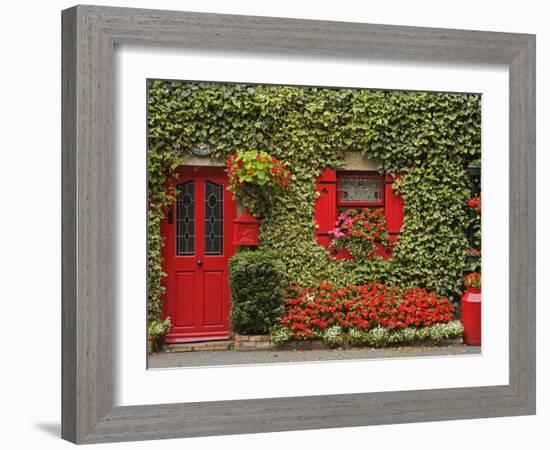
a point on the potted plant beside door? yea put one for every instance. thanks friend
(157, 330)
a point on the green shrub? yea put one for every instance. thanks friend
(258, 282)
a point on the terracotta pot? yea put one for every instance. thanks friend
(153, 344)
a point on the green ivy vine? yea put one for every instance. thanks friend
(428, 137)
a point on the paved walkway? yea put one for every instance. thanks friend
(231, 357)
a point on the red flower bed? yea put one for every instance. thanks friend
(312, 310)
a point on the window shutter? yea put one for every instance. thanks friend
(325, 206)
(393, 209)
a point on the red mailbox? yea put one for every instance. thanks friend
(246, 230)
(471, 316)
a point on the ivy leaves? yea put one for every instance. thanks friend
(428, 137)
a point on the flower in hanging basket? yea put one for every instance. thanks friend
(473, 280)
(359, 230)
(475, 204)
(256, 168)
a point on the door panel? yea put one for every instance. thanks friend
(197, 247)
(213, 290)
(185, 291)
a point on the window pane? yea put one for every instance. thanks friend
(360, 189)
(185, 219)
(213, 218)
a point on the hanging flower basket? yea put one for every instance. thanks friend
(254, 178)
(256, 168)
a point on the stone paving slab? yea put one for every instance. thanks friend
(231, 357)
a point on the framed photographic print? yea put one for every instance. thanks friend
(276, 224)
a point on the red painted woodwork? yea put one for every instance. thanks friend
(471, 316)
(328, 203)
(393, 209)
(197, 291)
(325, 206)
(246, 230)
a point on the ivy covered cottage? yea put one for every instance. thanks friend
(338, 215)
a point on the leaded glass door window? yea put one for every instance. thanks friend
(185, 219)
(213, 218)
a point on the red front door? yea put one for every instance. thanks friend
(197, 247)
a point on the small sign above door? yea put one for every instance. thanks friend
(202, 149)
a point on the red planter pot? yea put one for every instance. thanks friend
(471, 316)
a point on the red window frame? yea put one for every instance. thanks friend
(359, 174)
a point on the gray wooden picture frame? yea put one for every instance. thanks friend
(89, 37)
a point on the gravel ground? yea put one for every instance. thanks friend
(231, 357)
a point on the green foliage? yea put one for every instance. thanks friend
(256, 175)
(428, 137)
(334, 337)
(359, 230)
(440, 331)
(379, 336)
(257, 279)
(159, 327)
(281, 335)
(256, 167)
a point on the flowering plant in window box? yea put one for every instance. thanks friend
(359, 231)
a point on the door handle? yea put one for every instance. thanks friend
(199, 263)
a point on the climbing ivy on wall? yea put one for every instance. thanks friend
(428, 137)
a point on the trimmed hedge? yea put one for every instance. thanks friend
(258, 282)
